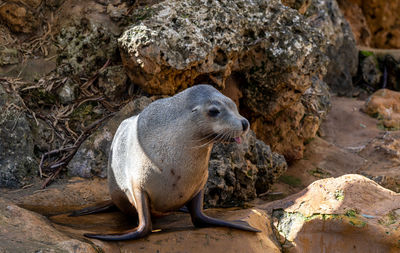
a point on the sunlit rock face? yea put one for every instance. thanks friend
(271, 51)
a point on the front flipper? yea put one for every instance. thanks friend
(199, 219)
(144, 227)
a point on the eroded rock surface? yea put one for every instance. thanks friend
(271, 50)
(16, 143)
(336, 214)
(238, 173)
(375, 23)
(325, 16)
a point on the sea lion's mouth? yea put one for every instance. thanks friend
(238, 140)
(214, 137)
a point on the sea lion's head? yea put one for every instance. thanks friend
(218, 118)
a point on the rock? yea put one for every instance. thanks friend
(375, 23)
(238, 173)
(371, 73)
(113, 82)
(92, 156)
(62, 197)
(385, 105)
(379, 68)
(269, 49)
(67, 92)
(173, 233)
(25, 231)
(16, 144)
(300, 5)
(353, 142)
(385, 150)
(337, 210)
(355, 16)
(84, 48)
(326, 16)
(18, 17)
(8, 56)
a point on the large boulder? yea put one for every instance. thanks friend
(325, 16)
(336, 215)
(16, 143)
(271, 51)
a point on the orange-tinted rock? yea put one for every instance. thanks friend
(61, 198)
(376, 23)
(354, 14)
(24, 231)
(175, 233)
(346, 214)
(18, 17)
(385, 105)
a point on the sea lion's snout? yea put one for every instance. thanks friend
(245, 125)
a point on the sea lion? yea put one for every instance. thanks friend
(159, 159)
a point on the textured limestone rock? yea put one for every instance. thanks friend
(270, 50)
(24, 231)
(8, 56)
(113, 82)
(370, 71)
(375, 22)
(92, 156)
(238, 173)
(379, 68)
(385, 105)
(84, 48)
(336, 215)
(16, 144)
(300, 5)
(18, 17)
(353, 13)
(326, 16)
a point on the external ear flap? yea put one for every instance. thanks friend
(196, 108)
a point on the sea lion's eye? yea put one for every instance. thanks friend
(213, 112)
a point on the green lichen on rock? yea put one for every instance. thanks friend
(16, 157)
(84, 48)
(390, 218)
(339, 195)
(8, 56)
(289, 223)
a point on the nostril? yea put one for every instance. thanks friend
(245, 124)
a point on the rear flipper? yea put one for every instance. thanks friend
(106, 206)
(199, 219)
